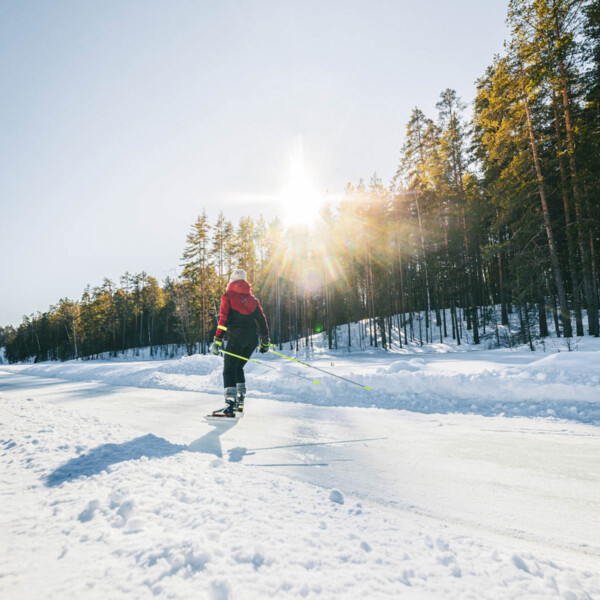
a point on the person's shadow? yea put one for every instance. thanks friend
(100, 458)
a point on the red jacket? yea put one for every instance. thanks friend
(241, 312)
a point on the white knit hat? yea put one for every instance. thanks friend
(237, 275)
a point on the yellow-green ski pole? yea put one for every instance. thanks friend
(270, 366)
(318, 369)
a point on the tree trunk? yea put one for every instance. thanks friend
(560, 286)
(590, 294)
(470, 260)
(575, 281)
(542, 313)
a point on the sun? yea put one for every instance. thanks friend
(300, 200)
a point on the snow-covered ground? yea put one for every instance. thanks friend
(471, 474)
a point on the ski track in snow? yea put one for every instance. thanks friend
(111, 492)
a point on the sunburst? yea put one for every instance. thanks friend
(300, 201)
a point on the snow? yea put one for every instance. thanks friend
(493, 382)
(463, 474)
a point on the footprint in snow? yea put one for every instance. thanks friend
(87, 514)
(442, 545)
(519, 563)
(336, 496)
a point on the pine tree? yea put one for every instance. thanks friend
(222, 230)
(453, 150)
(245, 247)
(199, 275)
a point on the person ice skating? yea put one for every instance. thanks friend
(239, 315)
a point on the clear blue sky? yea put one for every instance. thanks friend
(120, 121)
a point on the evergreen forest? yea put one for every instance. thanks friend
(489, 215)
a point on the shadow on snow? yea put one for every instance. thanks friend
(102, 457)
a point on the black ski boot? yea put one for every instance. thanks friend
(241, 394)
(229, 409)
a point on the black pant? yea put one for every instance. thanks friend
(233, 368)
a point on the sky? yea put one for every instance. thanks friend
(120, 121)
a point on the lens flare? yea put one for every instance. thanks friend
(300, 200)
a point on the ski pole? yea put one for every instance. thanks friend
(318, 369)
(270, 366)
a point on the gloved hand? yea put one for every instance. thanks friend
(215, 346)
(264, 345)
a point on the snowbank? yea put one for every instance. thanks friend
(563, 385)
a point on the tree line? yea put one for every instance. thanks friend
(499, 210)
